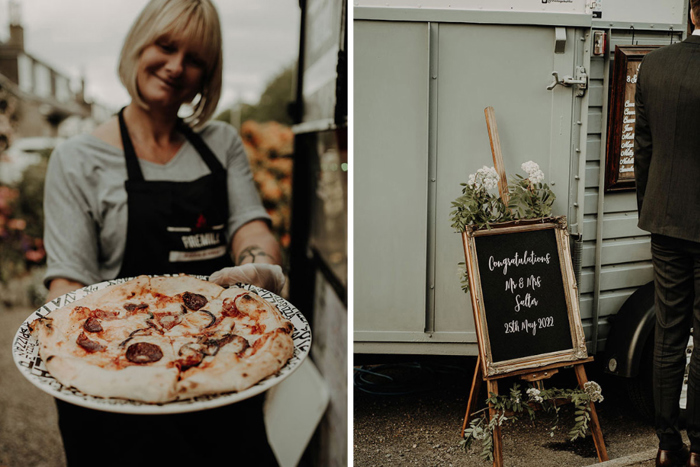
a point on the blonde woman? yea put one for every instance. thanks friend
(150, 193)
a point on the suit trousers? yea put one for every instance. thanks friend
(677, 287)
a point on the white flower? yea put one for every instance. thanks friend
(537, 177)
(594, 390)
(486, 177)
(530, 167)
(534, 394)
(534, 174)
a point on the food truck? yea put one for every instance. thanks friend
(560, 77)
(318, 250)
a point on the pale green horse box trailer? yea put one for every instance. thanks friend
(424, 71)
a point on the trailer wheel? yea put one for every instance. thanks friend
(640, 389)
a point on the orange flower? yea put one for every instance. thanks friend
(17, 224)
(7, 195)
(35, 255)
(286, 240)
(250, 132)
(271, 191)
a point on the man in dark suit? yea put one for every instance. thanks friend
(667, 172)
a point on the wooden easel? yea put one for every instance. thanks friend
(530, 375)
(533, 376)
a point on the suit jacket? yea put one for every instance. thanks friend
(667, 140)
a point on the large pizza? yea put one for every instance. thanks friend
(160, 339)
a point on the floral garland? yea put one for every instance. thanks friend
(480, 205)
(481, 428)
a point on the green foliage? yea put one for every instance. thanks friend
(529, 200)
(273, 103)
(224, 116)
(478, 207)
(464, 277)
(481, 428)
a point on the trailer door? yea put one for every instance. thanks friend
(420, 89)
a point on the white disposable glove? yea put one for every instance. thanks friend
(268, 276)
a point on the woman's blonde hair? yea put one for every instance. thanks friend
(195, 21)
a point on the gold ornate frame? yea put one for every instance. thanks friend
(563, 357)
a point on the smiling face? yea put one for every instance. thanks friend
(171, 54)
(170, 73)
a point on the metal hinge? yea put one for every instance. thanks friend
(580, 80)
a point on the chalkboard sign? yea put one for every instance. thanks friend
(619, 167)
(524, 295)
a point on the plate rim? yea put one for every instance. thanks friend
(128, 406)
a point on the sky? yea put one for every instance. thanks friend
(261, 37)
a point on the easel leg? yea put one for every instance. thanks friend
(473, 394)
(595, 425)
(497, 439)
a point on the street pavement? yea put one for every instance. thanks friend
(29, 435)
(416, 419)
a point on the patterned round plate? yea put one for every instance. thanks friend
(25, 350)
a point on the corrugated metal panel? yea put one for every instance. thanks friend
(618, 225)
(593, 142)
(614, 202)
(592, 172)
(617, 276)
(618, 251)
(610, 302)
(597, 70)
(603, 330)
(595, 120)
(595, 93)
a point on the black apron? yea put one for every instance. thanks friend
(173, 227)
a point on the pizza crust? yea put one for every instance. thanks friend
(141, 383)
(237, 373)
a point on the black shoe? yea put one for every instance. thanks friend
(672, 458)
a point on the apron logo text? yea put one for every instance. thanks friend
(200, 240)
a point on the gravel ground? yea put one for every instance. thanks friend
(29, 435)
(423, 428)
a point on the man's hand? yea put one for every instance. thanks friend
(268, 276)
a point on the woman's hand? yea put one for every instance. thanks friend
(268, 276)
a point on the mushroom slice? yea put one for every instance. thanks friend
(194, 301)
(89, 345)
(191, 354)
